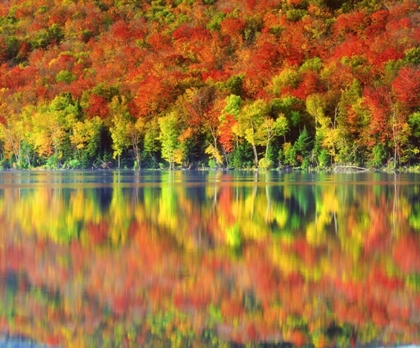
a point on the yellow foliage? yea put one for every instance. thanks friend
(214, 152)
(315, 233)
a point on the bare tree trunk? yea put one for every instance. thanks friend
(254, 149)
(266, 148)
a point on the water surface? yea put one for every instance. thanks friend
(206, 258)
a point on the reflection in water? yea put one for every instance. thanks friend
(175, 258)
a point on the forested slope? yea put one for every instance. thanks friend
(209, 82)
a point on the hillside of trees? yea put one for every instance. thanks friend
(238, 84)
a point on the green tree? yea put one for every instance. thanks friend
(303, 146)
(151, 144)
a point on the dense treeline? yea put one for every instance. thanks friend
(209, 82)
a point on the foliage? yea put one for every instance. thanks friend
(347, 73)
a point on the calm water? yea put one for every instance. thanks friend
(125, 259)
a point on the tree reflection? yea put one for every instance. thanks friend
(183, 263)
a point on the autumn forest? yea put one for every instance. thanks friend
(214, 83)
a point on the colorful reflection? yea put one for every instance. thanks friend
(182, 259)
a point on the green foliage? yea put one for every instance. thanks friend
(290, 155)
(241, 157)
(265, 163)
(233, 104)
(65, 76)
(151, 142)
(295, 15)
(414, 123)
(215, 20)
(413, 282)
(287, 78)
(86, 138)
(304, 143)
(378, 155)
(212, 163)
(324, 159)
(314, 64)
(412, 56)
(45, 37)
(233, 236)
(253, 26)
(53, 162)
(119, 134)
(169, 134)
(235, 85)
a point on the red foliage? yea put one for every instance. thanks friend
(349, 24)
(388, 54)
(378, 23)
(159, 42)
(403, 9)
(293, 44)
(98, 106)
(232, 27)
(378, 102)
(214, 75)
(309, 84)
(153, 95)
(406, 86)
(121, 31)
(353, 46)
(226, 137)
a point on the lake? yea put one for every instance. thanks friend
(209, 258)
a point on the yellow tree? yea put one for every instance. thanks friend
(169, 137)
(86, 137)
(125, 129)
(250, 120)
(12, 135)
(326, 131)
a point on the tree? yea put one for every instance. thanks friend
(326, 133)
(169, 138)
(151, 139)
(227, 123)
(250, 120)
(119, 134)
(13, 135)
(122, 124)
(86, 139)
(303, 146)
(270, 129)
(406, 86)
(351, 121)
